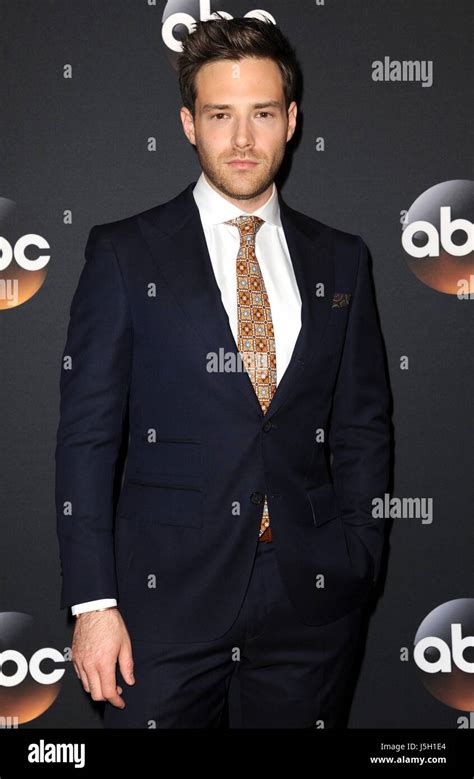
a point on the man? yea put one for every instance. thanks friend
(242, 338)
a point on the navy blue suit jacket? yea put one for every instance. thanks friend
(178, 548)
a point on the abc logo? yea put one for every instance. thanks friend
(444, 653)
(20, 276)
(447, 227)
(438, 237)
(22, 667)
(30, 677)
(180, 17)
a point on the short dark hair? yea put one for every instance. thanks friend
(234, 39)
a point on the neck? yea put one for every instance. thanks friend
(246, 204)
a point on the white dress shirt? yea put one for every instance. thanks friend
(273, 256)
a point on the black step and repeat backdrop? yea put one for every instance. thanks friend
(90, 133)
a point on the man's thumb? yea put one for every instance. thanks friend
(126, 665)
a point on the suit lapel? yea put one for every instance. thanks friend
(176, 240)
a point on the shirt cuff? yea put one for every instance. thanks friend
(90, 605)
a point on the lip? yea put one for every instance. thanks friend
(242, 164)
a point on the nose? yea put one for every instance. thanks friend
(242, 138)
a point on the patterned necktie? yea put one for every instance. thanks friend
(256, 339)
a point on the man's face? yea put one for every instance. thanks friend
(240, 115)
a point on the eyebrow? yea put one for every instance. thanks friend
(224, 106)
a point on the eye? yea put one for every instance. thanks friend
(266, 112)
(214, 116)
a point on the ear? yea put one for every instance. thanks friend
(188, 124)
(292, 114)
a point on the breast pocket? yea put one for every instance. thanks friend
(163, 502)
(339, 317)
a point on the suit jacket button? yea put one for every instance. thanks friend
(257, 498)
(267, 426)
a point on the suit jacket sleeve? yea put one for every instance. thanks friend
(94, 383)
(359, 435)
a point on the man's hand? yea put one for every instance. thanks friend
(100, 637)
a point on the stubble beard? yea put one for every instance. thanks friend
(258, 181)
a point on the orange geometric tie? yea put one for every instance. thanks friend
(256, 339)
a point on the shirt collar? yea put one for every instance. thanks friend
(216, 209)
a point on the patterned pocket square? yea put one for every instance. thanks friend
(341, 299)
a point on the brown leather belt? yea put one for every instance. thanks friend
(266, 535)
